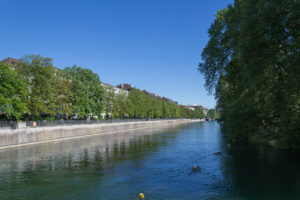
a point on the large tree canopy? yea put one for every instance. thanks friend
(252, 61)
(40, 75)
(212, 114)
(87, 92)
(35, 89)
(13, 93)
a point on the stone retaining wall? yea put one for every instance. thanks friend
(34, 135)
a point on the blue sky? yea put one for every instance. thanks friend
(152, 44)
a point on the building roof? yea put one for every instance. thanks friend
(11, 61)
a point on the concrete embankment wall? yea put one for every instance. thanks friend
(35, 135)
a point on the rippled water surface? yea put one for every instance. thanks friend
(158, 162)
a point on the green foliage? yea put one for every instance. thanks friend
(63, 94)
(39, 74)
(136, 104)
(59, 93)
(115, 103)
(35, 89)
(87, 93)
(141, 105)
(199, 114)
(119, 105)
(111, 107)
(252, 61)
(213, 114)
(13, 93)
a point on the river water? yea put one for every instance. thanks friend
(157, 162)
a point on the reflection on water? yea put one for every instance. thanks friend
(158, 162)
(261, 172)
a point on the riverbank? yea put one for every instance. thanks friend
(36, 135)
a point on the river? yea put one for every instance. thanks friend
(157, 162)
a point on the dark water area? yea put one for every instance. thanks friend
(157, 162)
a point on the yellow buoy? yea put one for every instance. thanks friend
(228, 145)
(218, 153)
(141, 196)
(195, 168)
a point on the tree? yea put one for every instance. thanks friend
(199, 113)
(212, 114)
(13, 93)
(157, 108)
(63, 94)
(40, 76)
(149, 111)
(110, 106)
(252, 62)
(136, 104)
(87, 92)
(165, 110)
(119, 105)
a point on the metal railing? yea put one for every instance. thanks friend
(72, 122)
(9, 124)
(14, 124)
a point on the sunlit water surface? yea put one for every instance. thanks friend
(158, 162)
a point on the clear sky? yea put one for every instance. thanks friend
(152, 44)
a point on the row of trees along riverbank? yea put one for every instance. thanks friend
(252, 60)
(34, 89)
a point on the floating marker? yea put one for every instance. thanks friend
(195, 168)
(218, 153)
(141, 196)
(228, 145)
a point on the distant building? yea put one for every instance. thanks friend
(111, 92)
(125, 86)
(193, 107)
(159, 97)
(11, 61)
(116, 90)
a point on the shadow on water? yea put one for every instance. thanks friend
(262, 172)
(158, 162)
